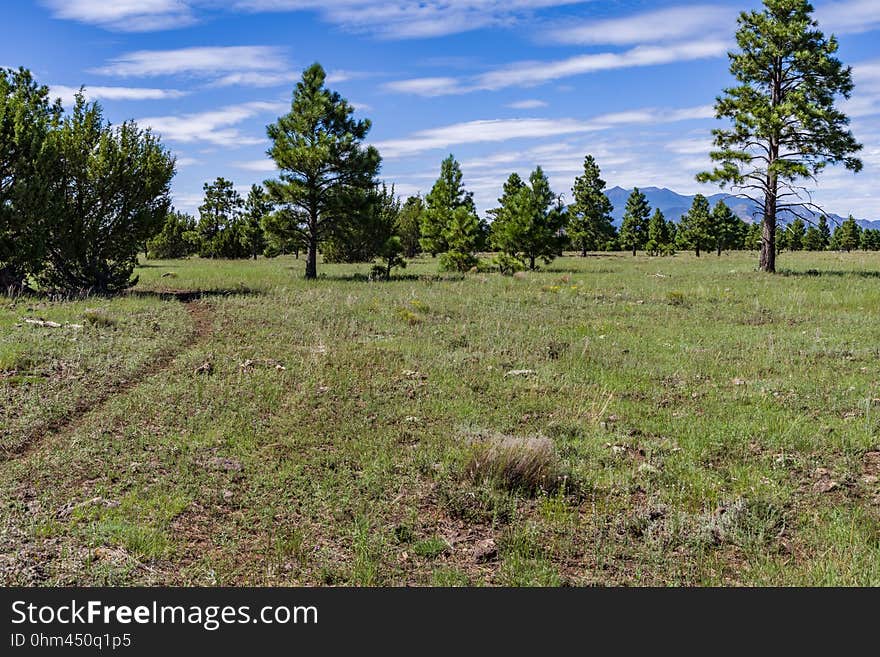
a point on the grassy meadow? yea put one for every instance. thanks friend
(608, 420)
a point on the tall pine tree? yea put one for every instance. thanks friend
(445, 199)
(634, 229)
(695, 229)
(786, 127)
(590, 225)
(326, 170)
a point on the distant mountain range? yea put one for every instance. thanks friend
(674, 205)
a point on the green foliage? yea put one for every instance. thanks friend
(696, 230)
(728, 230)
(445, 198)
(785, 126)
(177, 239)
(281, 235)
(257, 207)
(409, 226)
(529, 222)
(590, 224)
(461, 236)
(325, 168)
(660, 235)
(870, 239)
(824, 231)
(847, 236)
(753, 237)
(110, 194)
(813, 240)
(634, 229)
(27, 118)
(221, 224)
(794, 234)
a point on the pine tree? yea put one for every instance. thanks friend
(325, 168)
(870, 239)
(848, 235)
(27, 168)
(824, 231)
(795, 234)
(446, 197)
(409, 226)
(754, 235)
(727, 228)
(529, 222)
(461, 236)
(110, 195)
(781, 239)
(634, 229)
(257, 207)
(786, 127)
(590, 224)
(177, 239)
(659, 238)
(220, 221)
(813, 239)
(695, 229)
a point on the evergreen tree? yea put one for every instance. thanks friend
(590, 224)
(409, 226)
(813, 239)
(257, 207)
(871, 239)
(27, 167)
(847, 236)
(529, 222)
(634, 229)
(695, 229)
(177, 239)
(446, 197)
(795, 234)
(110, 194)
(325, 168)
(659, 238)
(781, 239)
(824, 232)
(754, 236)
(727, 228)
(461, 236)
(786, 127)
(220, 221)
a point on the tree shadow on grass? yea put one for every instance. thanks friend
(365, 278)
(186, 296)
(814, 273)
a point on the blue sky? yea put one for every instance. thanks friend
(504, 85)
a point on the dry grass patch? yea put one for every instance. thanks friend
(517, 464)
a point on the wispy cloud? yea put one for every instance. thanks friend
(202, 62)
(68, 94)
(659, 26)
(849, 16)
(527, 104)
(212, 127)
(499, 130)
(532, 73)
(260, 166)
(125, 15)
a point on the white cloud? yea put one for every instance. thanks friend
(531, 73)
(498, 130)
(203, 62)
(848, 16)
(67, 94)
(260, 166)
(213, 127)
(256, 79)
(125, 15)
(651, 27)
(527, 104)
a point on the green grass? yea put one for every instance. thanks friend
(715, 426)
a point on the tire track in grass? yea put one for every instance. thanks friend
(201, 315)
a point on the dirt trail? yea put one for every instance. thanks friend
(202, 318)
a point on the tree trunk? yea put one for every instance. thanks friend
(767, 261)
(697, 251)
(583, 250)
(719, 250)
(312, 259)
(532, 263)
(634, 251)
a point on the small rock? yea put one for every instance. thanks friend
(520, 373)
(205, 368)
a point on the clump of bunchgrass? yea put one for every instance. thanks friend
(518, 464)
(98, 318)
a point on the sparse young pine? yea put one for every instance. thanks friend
(785, 126)
(220, 221)
(754, 235)
(462, 237)
(847, 236)
(178, 238)
(110, 195)
(659, 238)
(445, 199)
(695, 229)
(590, 224)
(824, 231)
(795, 233)
(257, 207)
(27, 116)
(780, 239)
(325, 168)
(409, 226)
(634, 228)
(727, 229)
(528, 224)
